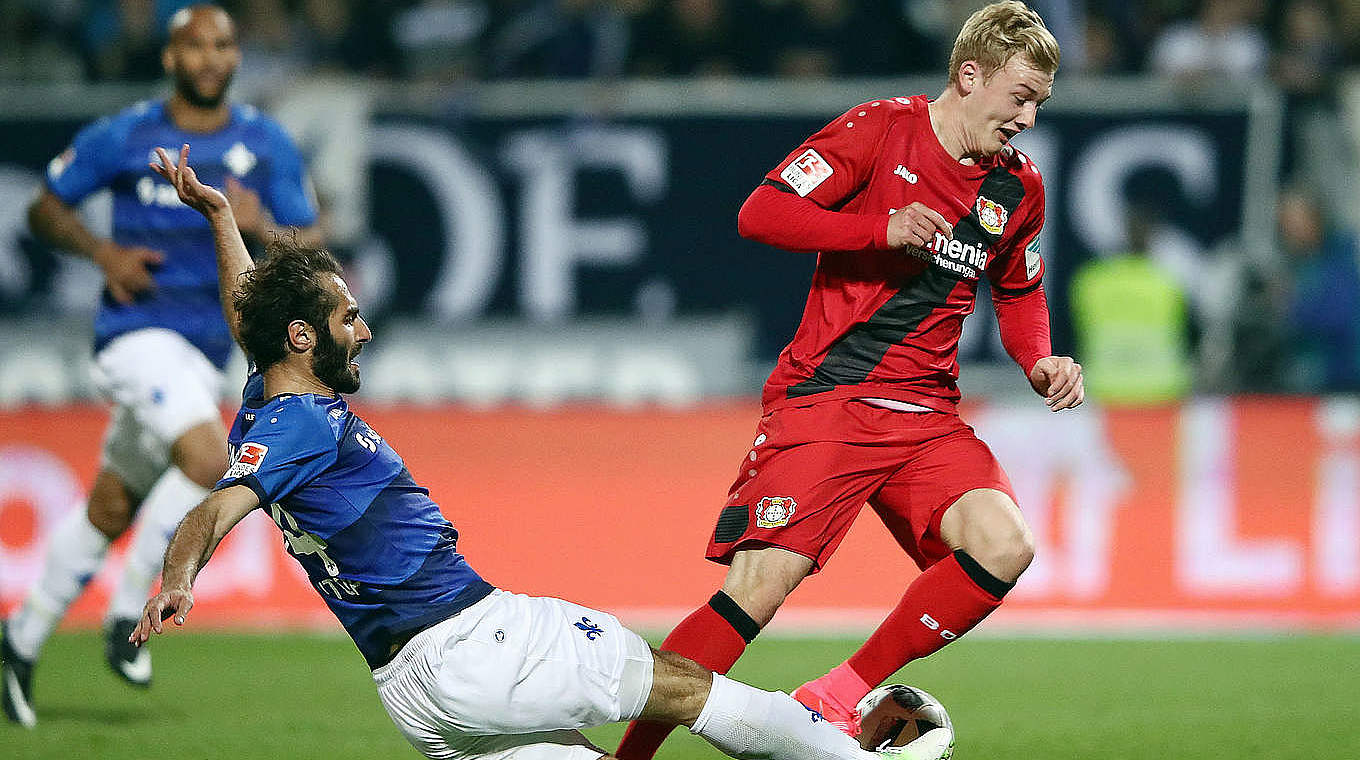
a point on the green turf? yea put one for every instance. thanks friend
(303, 696)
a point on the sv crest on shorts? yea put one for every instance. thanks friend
(774, 511)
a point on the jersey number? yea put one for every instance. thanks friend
(298, 541)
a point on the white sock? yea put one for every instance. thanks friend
(75, 549)
(173, 495)
(745, 722)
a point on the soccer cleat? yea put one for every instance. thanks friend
(846, 721)
(16, 683)
(132, 664)
(936, 744)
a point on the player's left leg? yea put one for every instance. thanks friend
(172, 392)
(951, 509)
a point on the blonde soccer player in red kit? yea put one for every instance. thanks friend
(909, 204)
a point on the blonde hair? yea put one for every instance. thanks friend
(1000, 31)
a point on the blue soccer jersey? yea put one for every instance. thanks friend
(373, 543)
(114, 153)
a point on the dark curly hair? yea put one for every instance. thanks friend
(287, 284)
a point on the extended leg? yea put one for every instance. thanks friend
(716, 634)
(992, 547)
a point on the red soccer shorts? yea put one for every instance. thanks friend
(811, 469)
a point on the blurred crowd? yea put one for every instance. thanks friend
(103, 40)
(1287, 321)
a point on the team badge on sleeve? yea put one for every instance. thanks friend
(247, 460)
(1032, 258)
(806, 172)
(774, 511)
(991, 215)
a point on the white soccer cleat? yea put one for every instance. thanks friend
(935, 744)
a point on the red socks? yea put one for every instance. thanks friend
(714, 636)
(944, 603)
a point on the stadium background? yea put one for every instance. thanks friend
(536, 202)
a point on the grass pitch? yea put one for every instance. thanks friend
(309, 696)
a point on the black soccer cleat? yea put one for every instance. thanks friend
(130, 663)
(16, 683)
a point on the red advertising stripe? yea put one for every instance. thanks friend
(1234, 513)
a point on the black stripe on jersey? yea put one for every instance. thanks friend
(1018, 291)
(855, 354)
(780, 186)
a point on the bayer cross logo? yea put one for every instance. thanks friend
(592, 631)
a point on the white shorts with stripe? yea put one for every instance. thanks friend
(513, 677)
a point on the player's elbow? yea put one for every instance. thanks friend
(753, 221)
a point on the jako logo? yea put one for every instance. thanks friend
(906, 174)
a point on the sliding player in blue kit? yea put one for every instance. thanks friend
(465, 670)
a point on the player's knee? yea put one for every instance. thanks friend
(109, 508)
(204, 471)
(1006, 550)
(201, 453)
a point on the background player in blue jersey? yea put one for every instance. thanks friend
(160, 342)
(464, 670)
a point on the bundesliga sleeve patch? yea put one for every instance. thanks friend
(247, 461)
(806, 172)
(1032, 258)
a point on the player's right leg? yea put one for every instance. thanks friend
(75, 551)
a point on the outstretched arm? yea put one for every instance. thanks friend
(193, 543)
(233, 259)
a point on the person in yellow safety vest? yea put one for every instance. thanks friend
(1132, 324)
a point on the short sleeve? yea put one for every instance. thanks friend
(1020, 267)
(90, 163)
(833, 164)
(289, 196)
(283, 452)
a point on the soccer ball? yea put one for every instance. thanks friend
(907, 721)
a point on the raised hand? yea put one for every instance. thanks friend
(1058, 379)
(172, 603)
(202, 198)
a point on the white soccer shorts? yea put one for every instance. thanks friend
(161, 385)
(513, 677)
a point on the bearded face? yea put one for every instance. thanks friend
(333, 364)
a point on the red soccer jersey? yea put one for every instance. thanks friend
(886, 323)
